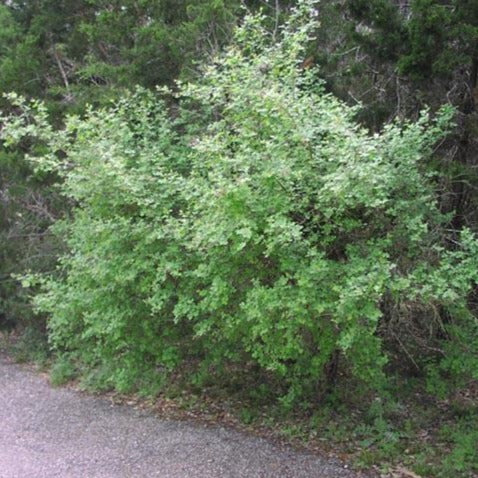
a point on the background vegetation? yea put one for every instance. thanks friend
(296, 215)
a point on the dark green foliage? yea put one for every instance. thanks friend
(443, 36)
(74, 52)
(378, 27)
(28, 206)
(150, 43)
(395, 57)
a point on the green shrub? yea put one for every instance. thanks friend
(262, 226)
(463, 458)
(62, 371)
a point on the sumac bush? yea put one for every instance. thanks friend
(260, 225)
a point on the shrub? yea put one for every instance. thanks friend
(261, 225)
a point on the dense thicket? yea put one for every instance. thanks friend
(273, 230)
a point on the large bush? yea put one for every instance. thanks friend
(262, 225)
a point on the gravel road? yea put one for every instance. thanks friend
(48, 433)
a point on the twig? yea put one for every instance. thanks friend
(277, 15)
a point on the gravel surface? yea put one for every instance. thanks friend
(47, 432)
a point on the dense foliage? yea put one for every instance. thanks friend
(263, 225)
